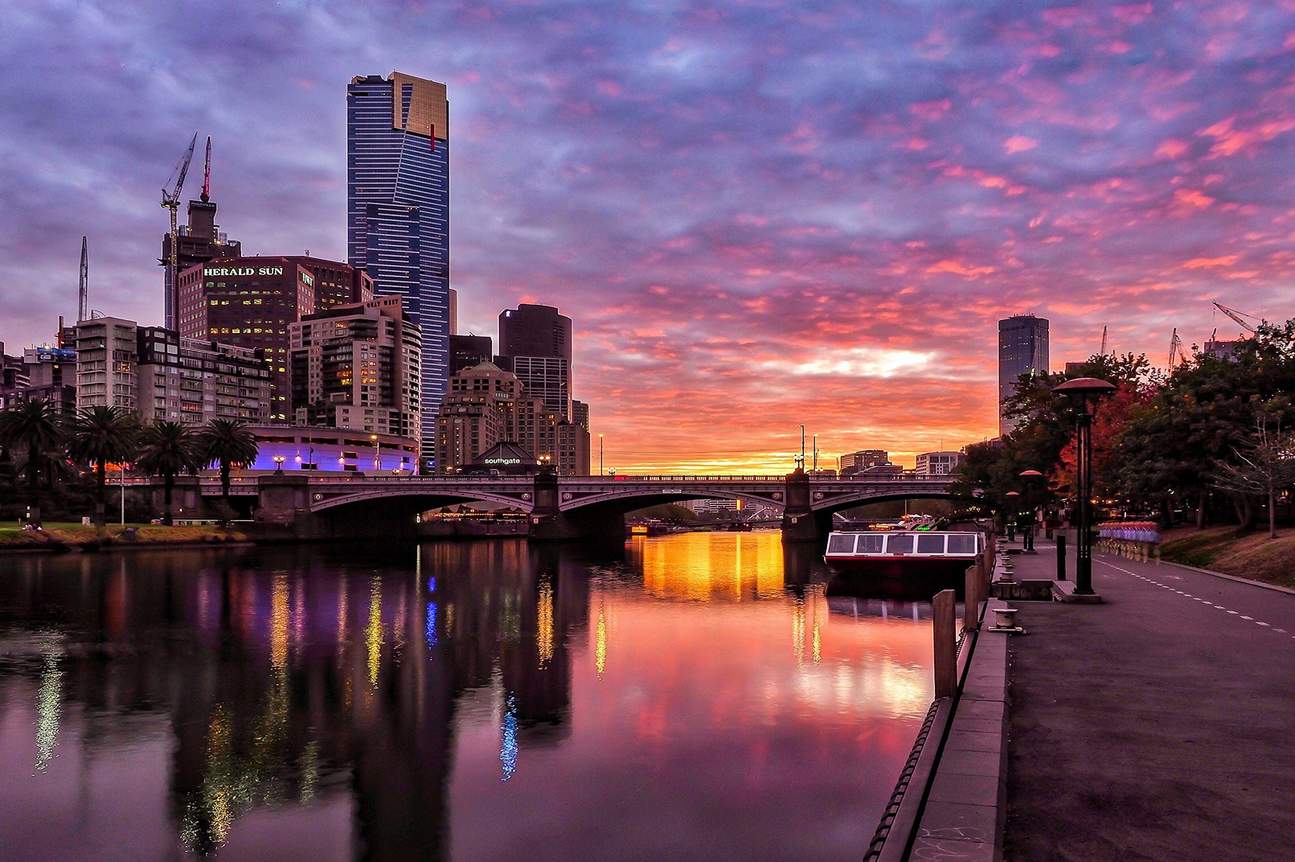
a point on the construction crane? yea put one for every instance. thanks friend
(83, 296)
(1238, 316)
(206, 172)
(1176, 353)
(1102, 352)
(171, 201)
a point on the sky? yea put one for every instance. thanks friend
(758, 214)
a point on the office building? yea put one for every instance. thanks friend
(13, 379)
(199, 241)
(857, 462)
(580, 414)
(154, 373)
(251, 302)
(288, 448)
(1022, 349)
(535, 344)
(398, 210)
(357, 367)
(938, 463)
(467, 351)
(51, 373)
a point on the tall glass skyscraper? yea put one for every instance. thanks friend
(398, 211)
(1022, 349)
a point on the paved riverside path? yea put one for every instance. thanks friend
(1159, 725)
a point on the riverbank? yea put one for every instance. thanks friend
(76, 537)
(1249, 555)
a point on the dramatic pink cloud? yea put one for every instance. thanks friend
(758, 216)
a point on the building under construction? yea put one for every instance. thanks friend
(199, 241)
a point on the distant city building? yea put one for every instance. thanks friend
(251, 302)
(938, 463)
(13, 379)
(580, 414)
(469, 350)
(357, 367)
(487, 406)
(1222, 350)
(398, 210)
(856, 462)
(1022, 349)
(199, 241)
(535, 344)
(51, 372)
(154, 373)
(712, 507)
(879, 470)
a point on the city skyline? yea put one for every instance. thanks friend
(757, 218)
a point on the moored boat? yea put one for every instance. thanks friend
(897, 554)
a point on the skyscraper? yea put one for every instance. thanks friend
(535, 344)
(1022, 349)
(398, 211)
(200, 241)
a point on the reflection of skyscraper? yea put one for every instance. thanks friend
(398, 210)
(1022, 349)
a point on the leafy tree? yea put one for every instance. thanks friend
(1265, 463)
(33, 425)
(229, 443)
(168, 449)
(99, 435)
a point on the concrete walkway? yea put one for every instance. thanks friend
(1158, 725)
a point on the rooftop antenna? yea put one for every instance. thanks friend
(83, 297)
(206, 173)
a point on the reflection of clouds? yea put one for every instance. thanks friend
(704, 567)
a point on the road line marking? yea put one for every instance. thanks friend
(1260, 623)
(1234, 612)
(1244, 617)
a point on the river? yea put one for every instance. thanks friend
(694, 696)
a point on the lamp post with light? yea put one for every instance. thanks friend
(377, 452)
(278, 464)
(1085, 392)
(1013, 498)
(600, 454)
(1028, 478)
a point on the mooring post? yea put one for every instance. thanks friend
(1061, 556)
(971, 599)
(943, 631)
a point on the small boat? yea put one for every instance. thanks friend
(638, 529)
(897, 554)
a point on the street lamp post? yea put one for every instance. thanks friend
(1028, 477)
(278, 464)
(1086, 391)
(600, 454)
(377, 452)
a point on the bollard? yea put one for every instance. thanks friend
(971, 600)
(945, 637)
(1061, 556)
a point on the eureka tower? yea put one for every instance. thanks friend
(398, 211)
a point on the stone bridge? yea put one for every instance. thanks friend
(340, 504)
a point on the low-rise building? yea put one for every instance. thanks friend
(857, 462)
(938, 463)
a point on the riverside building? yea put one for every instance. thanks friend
(535, 344)
(1022, 349)
(357, 367)
(398, 210)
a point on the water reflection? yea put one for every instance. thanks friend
(471, 701)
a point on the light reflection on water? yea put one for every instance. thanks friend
(694, 696)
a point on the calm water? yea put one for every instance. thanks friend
(697, 697)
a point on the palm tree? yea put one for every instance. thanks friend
(228, 443)
(99, 435)
(168, 449)
(33, 424)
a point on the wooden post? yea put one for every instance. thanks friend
(945, 636)
(971, 600)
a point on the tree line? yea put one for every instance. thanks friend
(1212, 436)
(40, 448)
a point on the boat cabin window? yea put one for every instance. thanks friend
(869, 544)
(899, 543)
(964, 544)
(840, 544)
(929, 544)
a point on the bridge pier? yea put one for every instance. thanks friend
(550, 523)
(800, 523)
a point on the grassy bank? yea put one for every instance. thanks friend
(1247, 555)
(69, 536)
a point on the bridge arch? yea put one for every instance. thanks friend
(633, 499)
(416, 499)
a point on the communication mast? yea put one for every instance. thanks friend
(171, 201)
(83, 296)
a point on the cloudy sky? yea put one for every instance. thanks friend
(758, 216)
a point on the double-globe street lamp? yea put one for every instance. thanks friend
(1086, 392)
